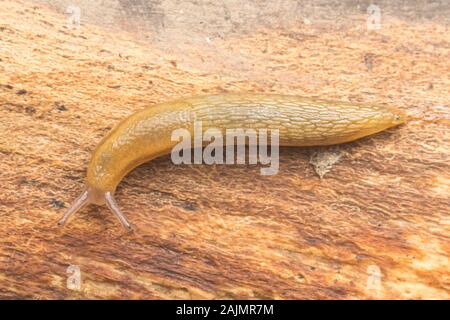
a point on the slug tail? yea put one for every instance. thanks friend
(79, 203)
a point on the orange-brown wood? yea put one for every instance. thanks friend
(375, 226)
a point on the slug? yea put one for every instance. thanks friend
(146, 134)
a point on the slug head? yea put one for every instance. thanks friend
(94, 196)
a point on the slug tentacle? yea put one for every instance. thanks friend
(79, 203)
(112, 205)
(93, 196)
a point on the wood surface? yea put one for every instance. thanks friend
(376, 225)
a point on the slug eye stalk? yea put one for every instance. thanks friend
(90, 196)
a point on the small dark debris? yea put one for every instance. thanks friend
(61, 107)
(174, 63)
(430, 86)
(190, 206)
(21, 92)
(57, 203)
(368, 61)
(30, 110)
(7, 86)
(25, 181)
(311, 240)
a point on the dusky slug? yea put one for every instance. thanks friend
(146, 134)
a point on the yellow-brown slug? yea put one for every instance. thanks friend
(146, 134)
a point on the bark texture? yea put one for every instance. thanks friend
(376, 225)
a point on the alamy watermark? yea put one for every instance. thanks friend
(220, 147)
(73, 277)
(374, 277)
(74, 17)
(374, 19)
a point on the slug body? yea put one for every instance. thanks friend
(147, 134)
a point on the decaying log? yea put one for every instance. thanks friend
(375, 225)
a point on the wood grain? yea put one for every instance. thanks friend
(375, 226)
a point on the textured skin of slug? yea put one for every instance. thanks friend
(147, 134)
(301, 122)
